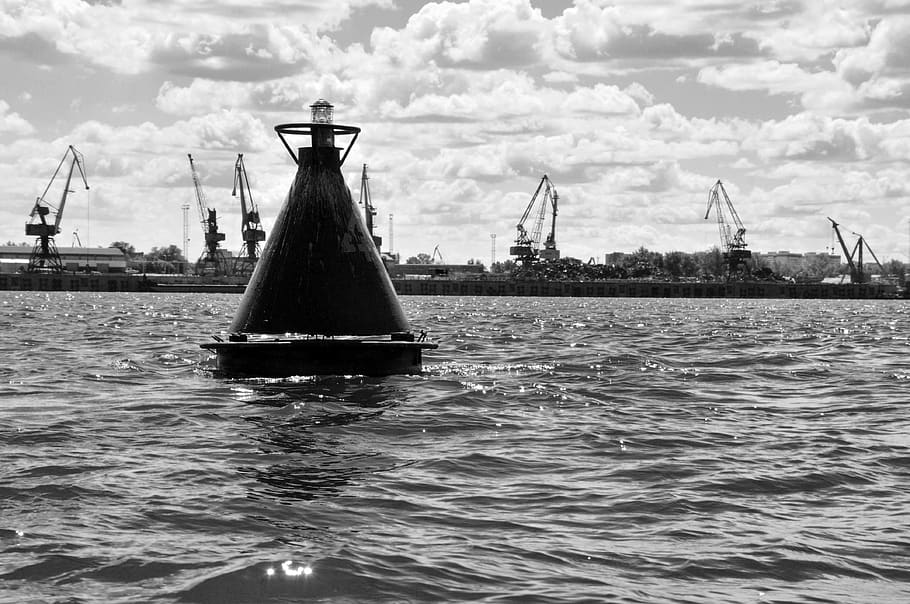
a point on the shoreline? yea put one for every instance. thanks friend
(614, 288)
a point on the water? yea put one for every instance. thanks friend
(556, 450)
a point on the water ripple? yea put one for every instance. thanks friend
(554, 450)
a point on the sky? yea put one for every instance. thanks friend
(633, 108)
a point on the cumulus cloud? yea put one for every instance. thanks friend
(464, 105)
(812, 137)
(811, 30)
(12, 123)
(487, 33)
(228, 39)
(819, 90)
(596, 31)
(869, 69)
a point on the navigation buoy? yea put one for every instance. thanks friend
(320, 300)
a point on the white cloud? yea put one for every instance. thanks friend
(811, 137)
(488, 33)
(870, 69)
(819, 90)
(133, 37)
(12, 123)
(465, 104)
(818, 28)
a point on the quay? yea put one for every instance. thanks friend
(615, 288)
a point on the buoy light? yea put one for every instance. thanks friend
(322, 112)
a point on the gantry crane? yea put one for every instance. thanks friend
(527, 245)
(212, 260)
(733, 241)
(44, 257)
(369, 210)
(857, 272)
(251, 226)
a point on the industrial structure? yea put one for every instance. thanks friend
(212, 262)
(368, 209)
(86, 260)
(45, 257)
(527, 245)
(855, 257)
(250, 225)
(732, 236)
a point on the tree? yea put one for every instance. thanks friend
(644, 263)
(171, 253)
(128, 250)
(711, 263)
(897, 269)
(420, 258)
(818, 268)
(505, 266)
(673, 263)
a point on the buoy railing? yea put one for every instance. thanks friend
(312, 130)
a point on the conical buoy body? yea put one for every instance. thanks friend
(320, 300)
(320, 272)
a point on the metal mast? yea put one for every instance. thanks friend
(44, 257)
(391, 236)
(186, 231)
(211, 260)
(251, 226)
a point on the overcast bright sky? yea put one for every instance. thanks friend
(634, 108)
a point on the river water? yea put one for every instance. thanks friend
(554, 450)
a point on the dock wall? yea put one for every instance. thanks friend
(479, 287)
(641, 289)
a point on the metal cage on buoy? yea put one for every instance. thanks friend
(321, 129)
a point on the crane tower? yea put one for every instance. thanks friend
(527, 245)
(44, 257)
(251, 226)
(212, 260)
(368, 208)
(732, 237)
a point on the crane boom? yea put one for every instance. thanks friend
(857, 268)
(369, 210)
(211, 260)
(201, 202)
(527, 245)
(874, 257)
(732, 241)
(856, 276)
(44, 256)
(251, 225)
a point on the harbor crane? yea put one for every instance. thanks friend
(732, 237)
(369, 210)
(44, 257)
(212, 260)
(857, 272)
(251, 226)
(527, 245)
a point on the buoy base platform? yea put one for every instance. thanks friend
(243, 356)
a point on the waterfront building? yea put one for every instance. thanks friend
(14, 259)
